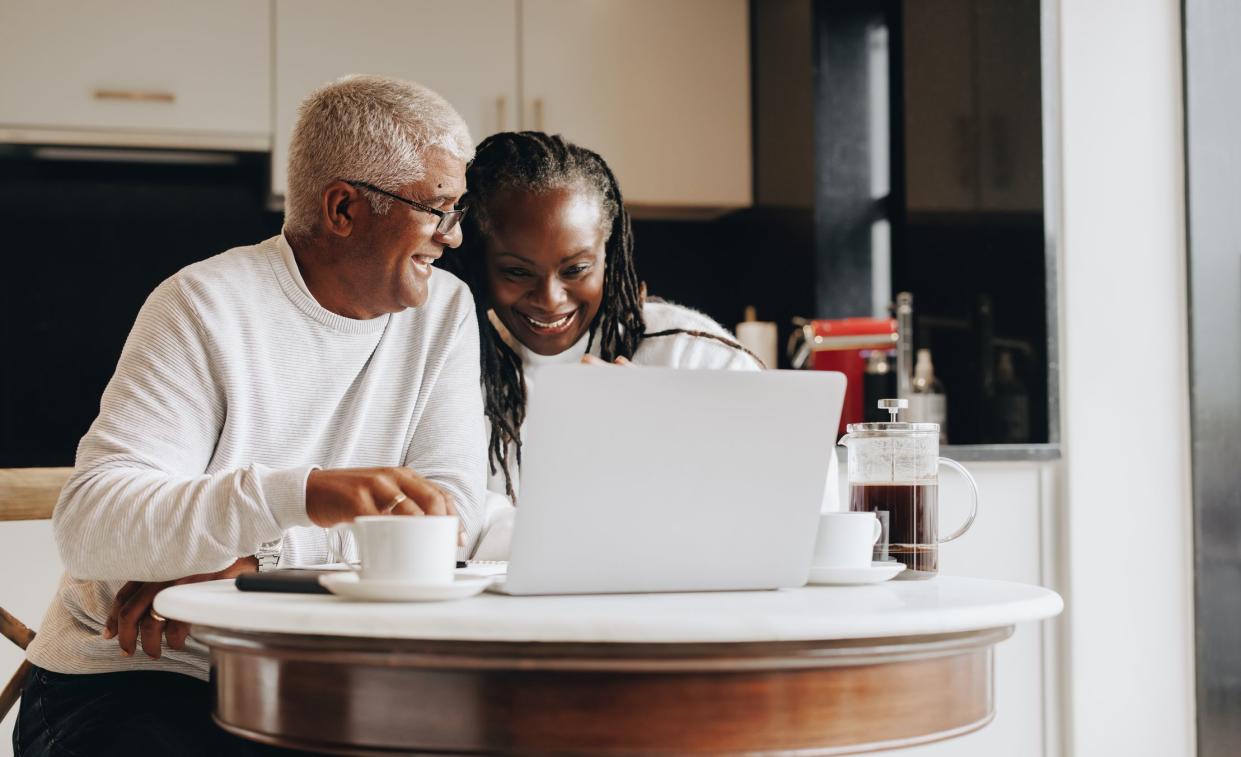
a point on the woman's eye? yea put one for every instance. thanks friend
(515, 273)
(573, 272)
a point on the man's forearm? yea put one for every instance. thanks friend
(123, 521)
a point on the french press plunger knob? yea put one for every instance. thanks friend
(893, 407)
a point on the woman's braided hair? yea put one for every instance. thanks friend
(535, 162)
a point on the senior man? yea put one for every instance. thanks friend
(262, 395)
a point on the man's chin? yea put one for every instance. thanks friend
(415, 297)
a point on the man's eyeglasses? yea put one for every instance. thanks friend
(449, 219)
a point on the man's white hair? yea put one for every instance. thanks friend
(366, 128)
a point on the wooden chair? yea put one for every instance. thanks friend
(25, 494)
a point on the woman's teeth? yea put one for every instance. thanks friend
(556, 324)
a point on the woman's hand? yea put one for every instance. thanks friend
(592, 360)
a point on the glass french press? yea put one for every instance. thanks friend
(894, 473)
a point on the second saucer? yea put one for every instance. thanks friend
(876, 572)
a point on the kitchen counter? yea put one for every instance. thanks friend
(966, 453)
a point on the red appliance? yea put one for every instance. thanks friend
(844, 345)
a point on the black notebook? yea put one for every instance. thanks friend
(294, 581)
(289, 580)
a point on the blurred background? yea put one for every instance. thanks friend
(1052, 182)
(805, 160)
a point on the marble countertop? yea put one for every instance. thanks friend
(944, 604)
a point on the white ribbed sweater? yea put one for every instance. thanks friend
(233, 385)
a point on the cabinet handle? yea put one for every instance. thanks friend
(501, 113)
(538, 114)
(135, 95)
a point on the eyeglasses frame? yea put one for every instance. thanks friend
(448, 219)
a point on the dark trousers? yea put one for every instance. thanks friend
(131, 713)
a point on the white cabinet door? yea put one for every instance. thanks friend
(465, 50)
(152, 66)
(660, 88)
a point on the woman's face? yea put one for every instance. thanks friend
(545, 261)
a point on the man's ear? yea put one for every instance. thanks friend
(342, 205)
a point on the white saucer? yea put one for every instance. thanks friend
(349, 586)
(876, 573)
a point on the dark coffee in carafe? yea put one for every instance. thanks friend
(909, 513)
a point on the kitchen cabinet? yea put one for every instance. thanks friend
(136, 72)
(466, 51)
(660, 88)
(973, 129)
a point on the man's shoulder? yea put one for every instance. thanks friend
(232, 268)
(215, 283)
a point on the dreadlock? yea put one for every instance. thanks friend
(532, 161)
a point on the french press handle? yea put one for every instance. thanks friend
(959, 468)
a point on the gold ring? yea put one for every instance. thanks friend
(156, 616)
(398, 499)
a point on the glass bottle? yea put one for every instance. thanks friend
(927, 401)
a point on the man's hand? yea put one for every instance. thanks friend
(340, 495)
(133, 617)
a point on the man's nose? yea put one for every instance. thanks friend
(452, 239)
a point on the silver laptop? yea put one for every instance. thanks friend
(652, 479)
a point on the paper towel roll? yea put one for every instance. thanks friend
(759, 337)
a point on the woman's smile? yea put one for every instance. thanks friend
(548, 325)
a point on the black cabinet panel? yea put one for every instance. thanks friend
(84, 243)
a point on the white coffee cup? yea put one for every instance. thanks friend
(846, 539)
(413, 548)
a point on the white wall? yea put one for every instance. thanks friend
(1127, 508)
(29, 571)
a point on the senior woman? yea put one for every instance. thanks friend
(549, 256)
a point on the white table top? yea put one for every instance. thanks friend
(897, 608)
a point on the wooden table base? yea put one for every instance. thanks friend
(363, 696)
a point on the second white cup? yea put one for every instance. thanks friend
(413, 548)
(846, 539)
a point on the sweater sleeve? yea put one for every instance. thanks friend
(140, 505)
(449, 445)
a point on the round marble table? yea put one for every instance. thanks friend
(818, 670)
